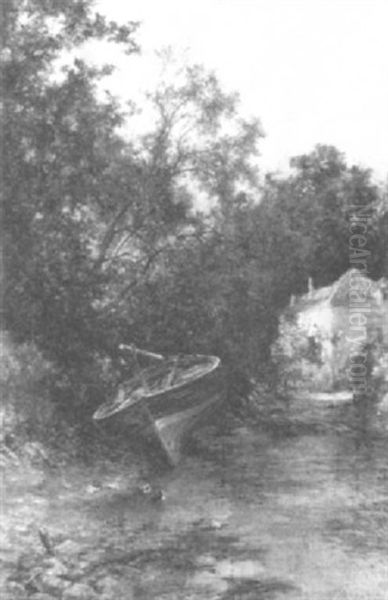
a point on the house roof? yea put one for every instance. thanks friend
(337, 294)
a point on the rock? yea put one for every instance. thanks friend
(152, 493)
(26, 562)
(16, 589)
(112, 588)
(53, 579)
(55, 567)
(216, 524)
(80, 591)
(206, 560)
(35, 452)
(53, 584)
(68, 548)
(114, 485)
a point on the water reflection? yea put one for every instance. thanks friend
(311, 486)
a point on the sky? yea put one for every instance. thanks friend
(313, 71)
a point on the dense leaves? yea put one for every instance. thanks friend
(310, 213)
(104, 241)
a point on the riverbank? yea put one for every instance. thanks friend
(293, 506)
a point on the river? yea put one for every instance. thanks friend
(292, 504)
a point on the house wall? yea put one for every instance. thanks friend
(317, 318)
(320, 332)
(376, 322)
(332, 331)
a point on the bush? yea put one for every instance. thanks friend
(26, 409)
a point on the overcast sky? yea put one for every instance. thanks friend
(312, 71)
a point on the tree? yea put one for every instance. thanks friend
(198, 144)
(58, 159)
(100, 231)
(314, 206)
(200, 139)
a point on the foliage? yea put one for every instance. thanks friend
(57, 163)
(26, 406)
(103, 239)
(313, 208)
(95, 226)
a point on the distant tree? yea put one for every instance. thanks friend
(313, 207)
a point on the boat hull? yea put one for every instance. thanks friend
(171, 413)
(174, 429)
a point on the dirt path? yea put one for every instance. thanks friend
(293, 507)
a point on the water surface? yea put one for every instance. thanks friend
(292, 505)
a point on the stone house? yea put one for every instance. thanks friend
(325, 326)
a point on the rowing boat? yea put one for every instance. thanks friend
(176, 395)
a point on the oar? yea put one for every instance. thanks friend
(135, 351)
(132, 348)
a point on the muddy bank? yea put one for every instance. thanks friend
(293, 505)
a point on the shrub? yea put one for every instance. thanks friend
(26, 408)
